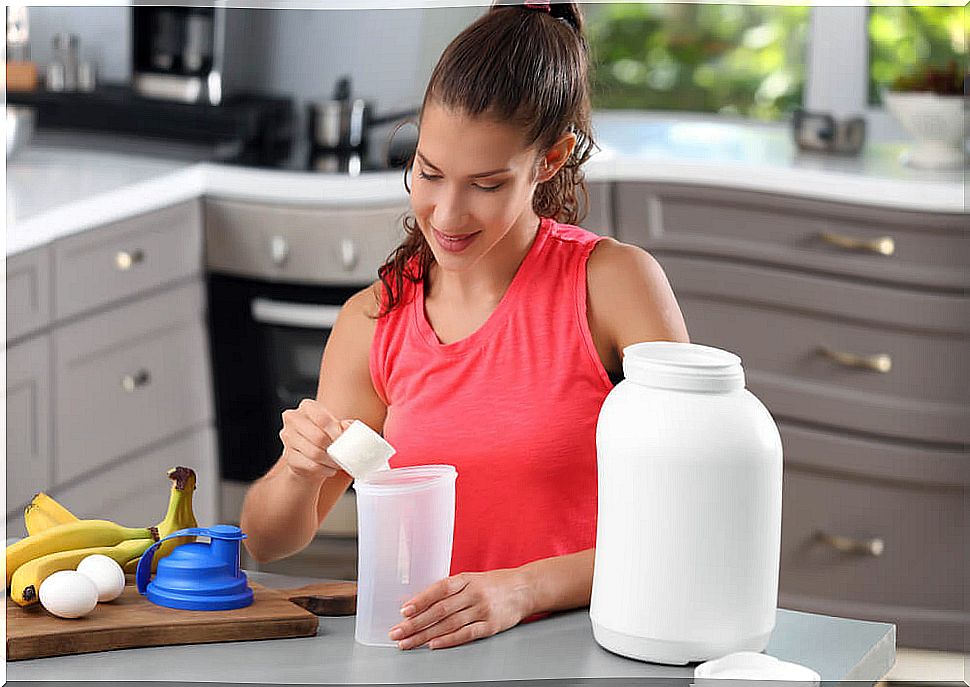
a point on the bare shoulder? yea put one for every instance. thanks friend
(365, 304)
(630, 295)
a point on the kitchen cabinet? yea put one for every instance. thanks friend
(853, 324)
(28, 419)
(599, 217)
(28, 284)
(107, 388)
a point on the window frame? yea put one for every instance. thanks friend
(837, 70)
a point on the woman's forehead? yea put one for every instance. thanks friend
(447, 138)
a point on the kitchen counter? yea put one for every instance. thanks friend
(558, 647)
(54, 190)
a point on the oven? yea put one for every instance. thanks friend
(277, 276)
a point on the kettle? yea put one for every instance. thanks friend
(197, 576)
(688, 531)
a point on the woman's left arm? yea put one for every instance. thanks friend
(628, 300)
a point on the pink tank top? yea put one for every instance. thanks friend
(513, 407)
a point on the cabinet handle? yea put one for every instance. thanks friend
(125, 260)
(348, 254)
(279, 249)
(884, 245)
(133, 382)
(880, 362)
(869, 547)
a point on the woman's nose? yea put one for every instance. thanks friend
(449, 214)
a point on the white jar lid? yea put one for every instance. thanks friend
(683, 366)
(748, 665)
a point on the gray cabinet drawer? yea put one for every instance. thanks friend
(28, 292)
(918, 581)
(779, 324)
(96, 268)
(135, 491)
(129, 377)
(930, 249)
(304, 244)
(28, 420)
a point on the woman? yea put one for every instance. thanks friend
(489, 341)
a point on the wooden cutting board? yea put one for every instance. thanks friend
(132, 621)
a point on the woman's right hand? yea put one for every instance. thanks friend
(307, 431)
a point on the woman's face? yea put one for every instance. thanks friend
(471, 183)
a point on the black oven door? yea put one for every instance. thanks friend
(267, 341)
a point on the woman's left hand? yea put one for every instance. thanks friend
(464, 607)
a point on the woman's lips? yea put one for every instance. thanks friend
(454, 244)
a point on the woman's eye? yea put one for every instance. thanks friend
(432, 177)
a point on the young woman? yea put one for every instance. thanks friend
(489, 341)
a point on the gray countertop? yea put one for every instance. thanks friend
(558, 647)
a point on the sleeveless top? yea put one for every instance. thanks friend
(513, 407)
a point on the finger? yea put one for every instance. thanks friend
(435, 613)
(448, 625)
(437, 591)
(318, 413)
(468, 633)
(296, 442)
(305, 467)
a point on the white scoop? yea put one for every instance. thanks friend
(360, 450)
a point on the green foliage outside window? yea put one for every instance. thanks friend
(906, 40)
(746, 60)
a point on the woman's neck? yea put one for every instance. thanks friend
(486, 281)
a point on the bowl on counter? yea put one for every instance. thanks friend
(937, 122)
(20, 128)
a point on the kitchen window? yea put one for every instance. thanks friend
(766, 59)
(746, 60)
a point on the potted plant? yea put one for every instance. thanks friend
(931, 106)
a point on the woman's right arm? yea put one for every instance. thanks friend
(284, 508)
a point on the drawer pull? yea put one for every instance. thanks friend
(133, 382)
(880, 362)
(884, 245)
(125, 260)
(348, 254)
(279, 249)
(868, 547)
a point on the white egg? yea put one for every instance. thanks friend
(68, 594)
(106, 574)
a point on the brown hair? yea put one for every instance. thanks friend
(526, 67)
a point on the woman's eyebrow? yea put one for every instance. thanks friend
(470, 176)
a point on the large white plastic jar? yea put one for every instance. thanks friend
(689, 509)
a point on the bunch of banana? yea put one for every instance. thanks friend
(58, 540)
(26, 580)
(70, 536)
(43, 512)
(178, 517)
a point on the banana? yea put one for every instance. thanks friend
(178, 517)
(81, 534)
(25, 585)
(44, 512)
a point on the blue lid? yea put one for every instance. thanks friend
(197, 576)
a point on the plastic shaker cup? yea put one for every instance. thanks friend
(405, 525)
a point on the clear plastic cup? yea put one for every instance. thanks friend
(405, 525)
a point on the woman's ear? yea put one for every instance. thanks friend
(555, 157)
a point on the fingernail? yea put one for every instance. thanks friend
(396, 633)
(402, 645)
(407, 610)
